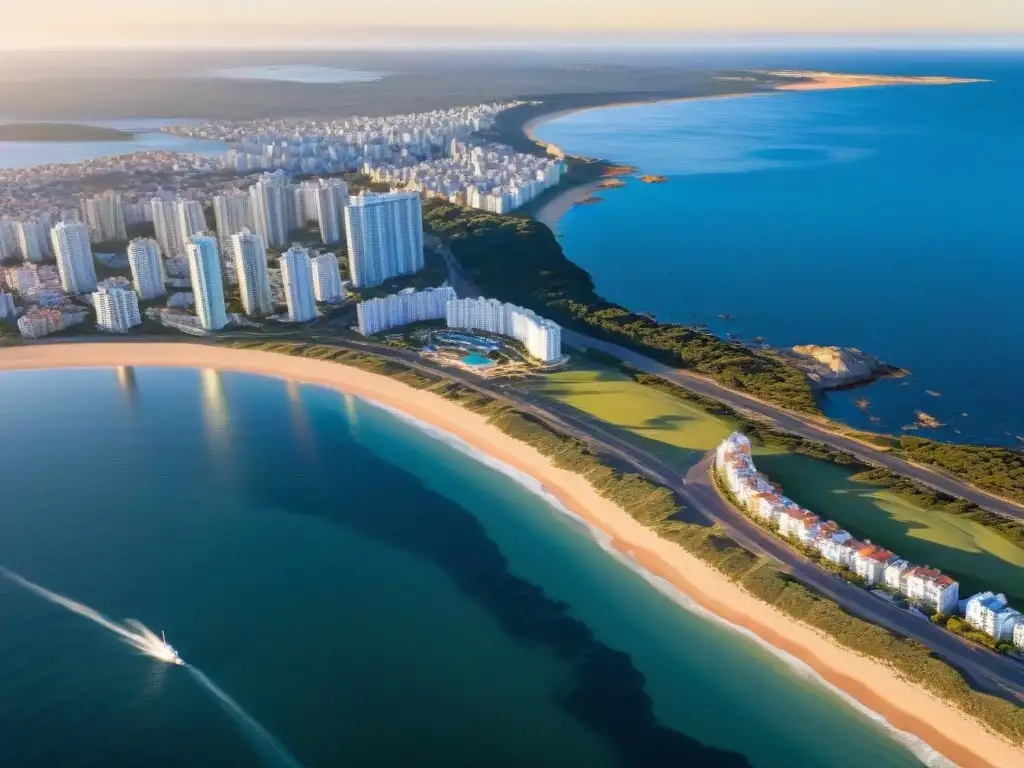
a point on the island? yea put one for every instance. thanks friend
(653, 179)
(838, 367)
(56, 132)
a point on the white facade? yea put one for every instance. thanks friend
(1018, 635)
(165, 224)
(253, 277)
(384, 235)
(28, 241)
(929, 586)
(231, 213)
(331, 197)
(271, 208)
(6, 305)
(542, 338)
(990, 613)
(402, 308)
(297, 277)
(327, 278)
(74, 257)
(104, 216)
(147, 267)
(191, 219)
(207, 285)
(117, 309)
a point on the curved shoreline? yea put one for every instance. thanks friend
(906, 707)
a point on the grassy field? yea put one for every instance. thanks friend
(971, 553)
(673, 430)
(680, 434)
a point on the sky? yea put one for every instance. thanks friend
(254, 23)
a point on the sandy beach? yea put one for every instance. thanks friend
(904, 705)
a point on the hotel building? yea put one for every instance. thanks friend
(117, 309)
(542, 338)
(384, 235)
(253, 276)
(147, 268)
(207, 286)
(398, 309)
(327, 278)
(297, 277)
(74, 257)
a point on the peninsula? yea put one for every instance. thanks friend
(484, 424)
(830, 81)
(58, 132)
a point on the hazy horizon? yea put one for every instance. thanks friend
(237, 24)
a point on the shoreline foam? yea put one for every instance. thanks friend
(905, 707)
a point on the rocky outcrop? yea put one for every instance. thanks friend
(838, 367)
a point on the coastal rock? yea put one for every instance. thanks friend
(838, 367)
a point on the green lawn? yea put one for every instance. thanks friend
(672, 429)
(680, 434)
(971, 553)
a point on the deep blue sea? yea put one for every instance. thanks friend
(888, 219)
(365, 594)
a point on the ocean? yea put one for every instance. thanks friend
(349, 590)
(886, 219)
(148, 137)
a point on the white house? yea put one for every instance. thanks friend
(894, 574)
(869, 563)
(989, 613)
(929, 586)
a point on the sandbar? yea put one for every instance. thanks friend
(906, 706)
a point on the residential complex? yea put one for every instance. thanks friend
(297, 277)
(207, 285)
(989, 613)
(117, 309)
(271, 207)
(147, 268)
(104, 215)
(74, 257)
(403, 308)
(385, 236)
(330, 198)
(542, 338)
(42, 321)
(253, 278)
(327, 279)
(877, 566)
(232, 214)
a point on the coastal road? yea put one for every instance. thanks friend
(789, 422)
(987, 670)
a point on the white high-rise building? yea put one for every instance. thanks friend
(207, 285)
(74, 257)
(398, 309)
(7, 247)
(147, 267)
(384, 235)
(271, 207)
(27, 238)
(104, 214)
(331, 197)
(297, 276)
(7, 305)
(327, 278)
(231, 212)
(542, 338)
(165, 224)
(191, 219)
(253, 277)
(117, 309)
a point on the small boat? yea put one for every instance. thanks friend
(173, 656)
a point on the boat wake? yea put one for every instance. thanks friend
(139, 636)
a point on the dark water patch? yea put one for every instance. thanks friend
(606, 692)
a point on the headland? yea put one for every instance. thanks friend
(804, 80)
(59, 132)
(905, 706)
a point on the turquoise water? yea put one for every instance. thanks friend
(886, 219)
(367, 593)
(475, 359)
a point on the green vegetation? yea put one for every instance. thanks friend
(996, 470)
(519, 260)
(658, 509)
(61, 132)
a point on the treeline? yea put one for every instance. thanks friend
(519, 260)
(996, 470)
(658, 508)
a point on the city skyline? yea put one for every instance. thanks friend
(128, 24)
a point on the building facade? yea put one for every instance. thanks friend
(541, 337)
(147, 268)
(384, 235)
(231, 213)
(74, 257)
(398, 309)
(117, 309)
(327, 279)
(104, 215)
(207, 285)
(253, 277)
(271, 208)
(297, 277)
(990, 613)
(331, 197)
